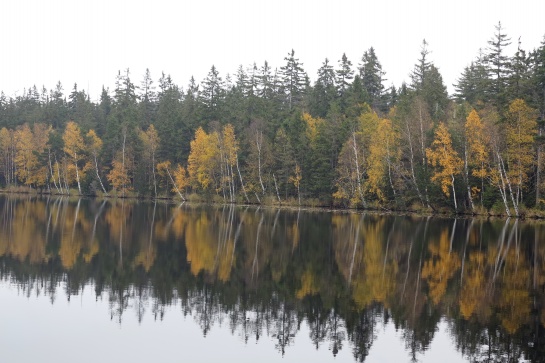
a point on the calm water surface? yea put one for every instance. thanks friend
(87, 281)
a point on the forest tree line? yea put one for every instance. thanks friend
(264, 135)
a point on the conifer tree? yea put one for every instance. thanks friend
(498, 66)
(293, 80)
(371, 74)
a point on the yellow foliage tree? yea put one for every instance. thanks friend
(180, 178)
(312, 127)
(477, 147)
(520, 137)
(25, 158)
(203, 159)
(40, 139)
(73, 144)
(380, 159)
(7, 151)
(119, 175)
(445, 160)
(151, 141)
(94, 145)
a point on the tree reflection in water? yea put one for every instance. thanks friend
(266, 272)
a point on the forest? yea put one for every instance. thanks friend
(271, 136)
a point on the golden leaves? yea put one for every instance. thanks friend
(444, 159)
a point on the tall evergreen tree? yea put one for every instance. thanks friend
(539, 79)
(211, 95)
(427, 82)
(81, 109)
(122, 123)
(498, 66)
(345, 74)
(148, 100)
(420, 68)
(324, 91)
(169, 121)
(519, 77)
(434, 93)
(371, 75)
(103, 111)
(472, 86)
(293, 80)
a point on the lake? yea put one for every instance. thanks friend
(117, 280)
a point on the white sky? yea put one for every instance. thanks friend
(87, 42)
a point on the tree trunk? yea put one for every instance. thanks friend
(175, 186)
(515, 204)
(390, 169)
(454, 195)
(153, 172)
(242, 184)
(51, 171)
(276, 187)
(123, 163)
(98, 176)
(258, 141)
(355, 148)
(411, 162)
(502, 188)
(77, 172)
(538, 170)
(466, 172)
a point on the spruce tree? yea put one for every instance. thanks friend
(345, 74)
(293, 80)
(371, 75)
(148, 100)
(498, 67)
(324, 92)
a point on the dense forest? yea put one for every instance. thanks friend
(264, 135)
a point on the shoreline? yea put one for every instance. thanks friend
(535, 215)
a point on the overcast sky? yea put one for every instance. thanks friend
(87, 42)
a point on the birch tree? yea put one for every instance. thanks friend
(445, 160)
(73, 145)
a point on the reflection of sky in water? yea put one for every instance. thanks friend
(34, 330)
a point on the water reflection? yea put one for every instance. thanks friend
(266, 272)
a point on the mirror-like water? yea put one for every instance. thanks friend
(120, 280)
